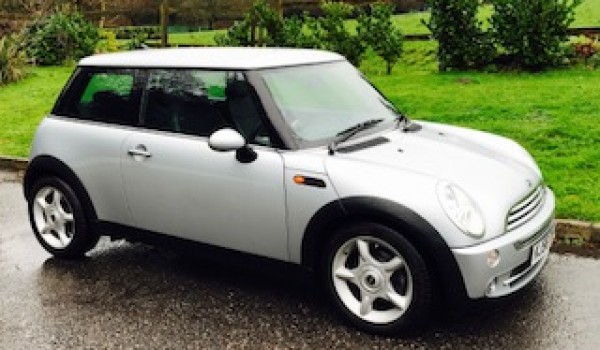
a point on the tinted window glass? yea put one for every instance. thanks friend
(199, 102)
(102, 95)
(179, 101)
(117, 83)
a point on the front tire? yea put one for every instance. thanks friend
(58, 220)
(376, 279)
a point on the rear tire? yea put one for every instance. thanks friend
(376, 279)
(58, 220)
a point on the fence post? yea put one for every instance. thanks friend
(164, 23)
(102, 10)
(279, 7)
(252, 29)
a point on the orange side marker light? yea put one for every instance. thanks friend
(299, 179)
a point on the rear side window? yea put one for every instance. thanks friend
(110, 96)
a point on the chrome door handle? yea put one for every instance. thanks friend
(139, 151)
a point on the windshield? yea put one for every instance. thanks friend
(320, 101)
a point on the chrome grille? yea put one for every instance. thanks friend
(547, 227)
(525, 209)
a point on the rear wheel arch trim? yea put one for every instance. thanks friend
(45, 165)
(414, 228)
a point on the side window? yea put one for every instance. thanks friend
(102, 95)
(182, 101)
(199, 102)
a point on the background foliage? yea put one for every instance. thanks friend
(379, 33)
(13, 61)
(263, 27)
(61, 37)
(463, 44)
(530, 32)
(522, 34)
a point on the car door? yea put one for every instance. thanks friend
(175, 184)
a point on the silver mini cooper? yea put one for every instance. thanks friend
(291, 155)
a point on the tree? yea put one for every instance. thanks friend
(378, 31)
(330, 30)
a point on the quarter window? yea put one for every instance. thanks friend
(102, 95)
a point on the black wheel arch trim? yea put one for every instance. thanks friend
(48, 165)
(414, 228)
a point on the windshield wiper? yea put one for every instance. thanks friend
(406, 125)
(401, 118)
(346, 134)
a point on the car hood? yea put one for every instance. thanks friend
(495, 171)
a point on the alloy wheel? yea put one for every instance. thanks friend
(53, 217)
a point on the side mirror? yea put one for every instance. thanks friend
(225, 140)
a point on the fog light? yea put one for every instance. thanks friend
(493, 258)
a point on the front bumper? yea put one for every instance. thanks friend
(516, 266)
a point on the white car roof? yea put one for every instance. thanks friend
(241, 58)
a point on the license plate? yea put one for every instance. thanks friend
(540, 248)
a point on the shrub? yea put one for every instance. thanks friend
(13, 61)
(584, 47)
(594, 60)
(378, 32)
(108, 42)
(270, 25)
(151, 32)
(531, 31)
(297, 32)
(237, 35)
(138, 41)
(261, 26)
(462, 42)
(269, 30)
(61, 37)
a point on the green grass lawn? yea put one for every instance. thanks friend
(204, 38)
(23, 105)
(554, 114)
(588, 14)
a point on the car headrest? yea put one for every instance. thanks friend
(237, 89)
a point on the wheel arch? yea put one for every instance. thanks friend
(45, 165)
(412, 226)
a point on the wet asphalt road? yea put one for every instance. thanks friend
(134, 296)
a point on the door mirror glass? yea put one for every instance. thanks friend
(225, 140)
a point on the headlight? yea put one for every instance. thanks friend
(461, 209)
